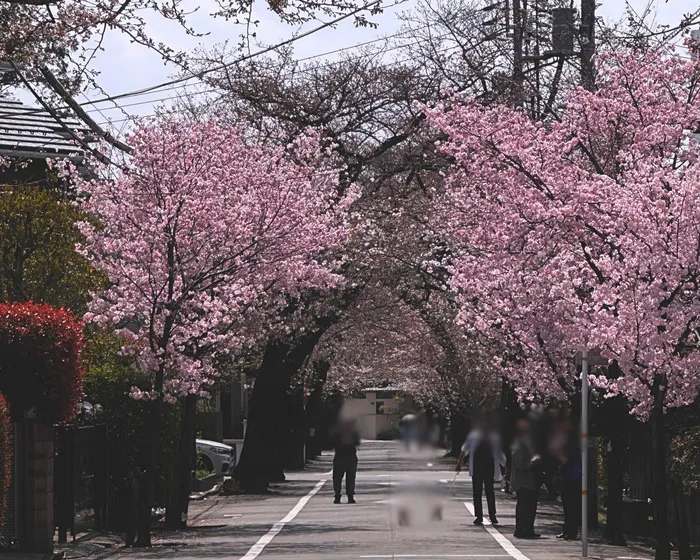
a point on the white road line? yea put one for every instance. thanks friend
(399, 556)
(506, 545)
(258, 547)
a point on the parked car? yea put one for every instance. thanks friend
(215, 456)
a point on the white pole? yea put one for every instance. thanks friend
(584, 454)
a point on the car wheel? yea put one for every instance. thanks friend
(204, 463)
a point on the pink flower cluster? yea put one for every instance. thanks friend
(204, 238)
(584, 232)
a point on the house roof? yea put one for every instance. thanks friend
(28, 132)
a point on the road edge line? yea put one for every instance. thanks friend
(263, 541)
(506, 545)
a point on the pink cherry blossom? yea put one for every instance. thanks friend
(203, 238)
(584, 232)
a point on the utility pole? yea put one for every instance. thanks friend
(584, 454)
(587, 43)
(588, 82)
(518, 74)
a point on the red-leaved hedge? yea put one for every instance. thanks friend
(40, 364)
(5, 457)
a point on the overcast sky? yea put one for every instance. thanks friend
(125, 67)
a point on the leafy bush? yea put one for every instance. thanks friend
(37, 241)
(40, 360)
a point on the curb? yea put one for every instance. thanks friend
(199, 496)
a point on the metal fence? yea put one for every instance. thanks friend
(80, 478)
(684, 508)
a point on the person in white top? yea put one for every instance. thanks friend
(483, 449)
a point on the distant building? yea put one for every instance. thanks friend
(378, 413)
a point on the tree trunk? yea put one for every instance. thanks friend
(684, 547)
(660, 450)
(615, 474)
(148, 478)
(613, 416)
(295, 441)
(459, 427)
(261, 458)
(313, 409)
(259, 461)
(176, 514)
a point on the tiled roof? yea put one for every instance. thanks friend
(27, 132)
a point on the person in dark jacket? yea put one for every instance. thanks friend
(483, 450)
(567, 480)
(346, 440)
(524, 481)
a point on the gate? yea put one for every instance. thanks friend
(80, 479)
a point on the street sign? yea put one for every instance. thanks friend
(594, 358)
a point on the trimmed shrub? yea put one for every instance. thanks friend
(40, 360)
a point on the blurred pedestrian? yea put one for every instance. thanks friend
(524, 481)
(346, 439)
(483, 449)
(567, 479)
(408, 425)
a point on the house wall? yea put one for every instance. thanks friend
(364, 411)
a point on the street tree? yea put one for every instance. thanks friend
(581, 232)
(203, 237)
(38, 260)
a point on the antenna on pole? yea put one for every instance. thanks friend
(695, 44)
(587, 43)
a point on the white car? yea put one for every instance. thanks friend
(215, 456)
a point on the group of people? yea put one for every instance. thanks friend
(526, 469)
(526, 472)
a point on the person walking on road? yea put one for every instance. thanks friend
(524, 481)
(346, 440)
(483, 449)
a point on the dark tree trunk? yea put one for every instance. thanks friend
(178, 506)
(293, 444)
(660, 451)
(261, 458)
(314, 408)
(459, 427)
(614, 416)
(615, 474)
(148, 478)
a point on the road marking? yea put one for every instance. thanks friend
(398, 556)
(506, 545)
(258, 547)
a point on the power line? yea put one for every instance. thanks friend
(302, 71)
(323, 54)
(174, 83)
(215, 90)
(243, 58)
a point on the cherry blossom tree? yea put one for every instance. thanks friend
(582, 232)
(203, 237)
(65, 37)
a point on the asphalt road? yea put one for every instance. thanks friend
(299, 521)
